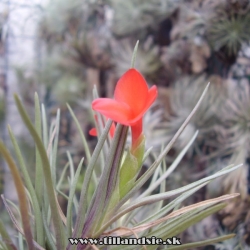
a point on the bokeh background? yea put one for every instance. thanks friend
(61, 49)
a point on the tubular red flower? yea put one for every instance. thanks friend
(93, 131)
(132, 98)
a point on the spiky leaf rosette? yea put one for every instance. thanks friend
(134, 15)
(58, 17)
(185, 93)
(228, 31)
(189, 22)
(189, 50)
(78, 28)
(235, 134)
(147, 57)
(184, 56)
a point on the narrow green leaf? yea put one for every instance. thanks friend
(3, 246)
(171, 168)
(191, 220)
(21, 195)
(55, 146)
(58, 186)
(12, 217)
(146, 154)
(134, 54)
(39, 170)
(167, 208)
(128, 173)
(161, 196)
(50, 240)
(29, 185)
(157, 197)
(6, 238)
(71, 166)
(202, 243)
(44, 126)
(20, 241)
(84, 141)
(71, 196)
(60, 236)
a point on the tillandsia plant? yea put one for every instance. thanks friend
(118, 211)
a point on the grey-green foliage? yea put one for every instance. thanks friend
(68, 89)
(185, 94)
(59, 15)
(134, 15)
(147, 59)
(234, 132)
(229, 31)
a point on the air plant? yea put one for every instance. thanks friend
(135, 15)
(112, 170)
(235, 132)
(68, 89)
(186, 92)
(148, 60)
(228, 31)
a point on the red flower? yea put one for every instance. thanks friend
(93, 131)
(132, 99)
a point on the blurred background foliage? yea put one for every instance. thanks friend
(183, 46)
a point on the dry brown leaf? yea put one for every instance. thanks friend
(122, 231)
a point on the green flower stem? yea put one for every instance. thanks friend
(107, 181)
(87, 178)
(106, 194)
(24, 210)
(60, 234)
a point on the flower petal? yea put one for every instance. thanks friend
(136, 131)
(116, 111)
(93, 132)
(152, 94)
(112, 130)
(132, 89)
